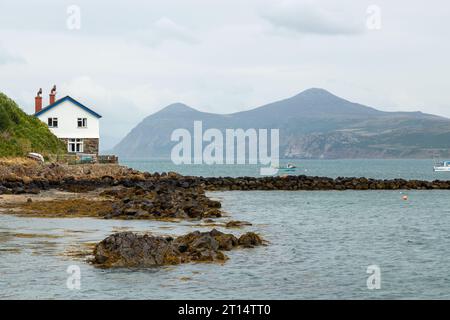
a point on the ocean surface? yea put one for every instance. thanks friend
(321, 243)
(377, 169)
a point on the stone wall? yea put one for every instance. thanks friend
(90, 145)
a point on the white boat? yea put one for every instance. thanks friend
(288, 168)
(36, 156)
(442, 167)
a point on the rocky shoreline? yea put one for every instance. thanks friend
(116, 192)
(30, 177)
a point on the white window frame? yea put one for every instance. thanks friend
(75, 145)
(51, 122)
(83, 123)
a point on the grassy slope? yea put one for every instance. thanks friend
(21, 133)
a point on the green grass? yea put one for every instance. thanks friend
(21, 133)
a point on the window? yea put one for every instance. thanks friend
(82, 122)
(75, 145)
(52, 122)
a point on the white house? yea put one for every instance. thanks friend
(74, 123)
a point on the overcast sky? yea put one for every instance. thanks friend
(131, 58)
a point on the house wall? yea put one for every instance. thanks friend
(90, 145)
(67, 114)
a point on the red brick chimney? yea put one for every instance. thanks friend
(38, 101)
(53, 95)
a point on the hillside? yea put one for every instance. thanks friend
(21, 133)
(313, 124)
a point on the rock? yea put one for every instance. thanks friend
(250, 239)
(18, 190)
(11, 177)
(226, 241)
(130, 212)
(163, 200)
(198, 241)
(27, 180)
(185, 185)
(32, 191)
(4, 190)
(237, 224)
(127, 249)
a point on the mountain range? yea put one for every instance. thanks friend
(314, 124)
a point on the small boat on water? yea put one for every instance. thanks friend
(288, 168)
(443, 166)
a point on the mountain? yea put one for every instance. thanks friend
(313, 124)
(21, 133)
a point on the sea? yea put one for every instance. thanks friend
(321, 244)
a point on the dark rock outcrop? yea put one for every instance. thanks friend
(250, 240)
(162, 201)
(128, 249)
(236, 224)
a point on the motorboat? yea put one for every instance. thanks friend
(443, 166)
(288, 168)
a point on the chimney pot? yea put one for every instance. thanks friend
(38, 101)
(53, 95)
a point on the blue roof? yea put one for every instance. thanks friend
(67, 98)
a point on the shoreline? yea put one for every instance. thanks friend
(101, 191)
(29, 177)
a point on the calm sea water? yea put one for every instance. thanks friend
(321, 244)
(379, 169)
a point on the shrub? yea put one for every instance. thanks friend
(21, 133)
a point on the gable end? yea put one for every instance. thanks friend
(67, 98)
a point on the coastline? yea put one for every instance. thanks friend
(30, 189)
(112, 191)
(28, 177)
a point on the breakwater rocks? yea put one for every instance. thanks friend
(172, 181)
(317, 183)
(128, 249)
(31, 177)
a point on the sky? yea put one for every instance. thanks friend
(129, 59)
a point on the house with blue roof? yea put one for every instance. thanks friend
(71, 121)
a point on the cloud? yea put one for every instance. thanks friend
(313, 18)
(118, 110)
(141, 56)
(86, 86)
(165, 29)
(6, 57)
